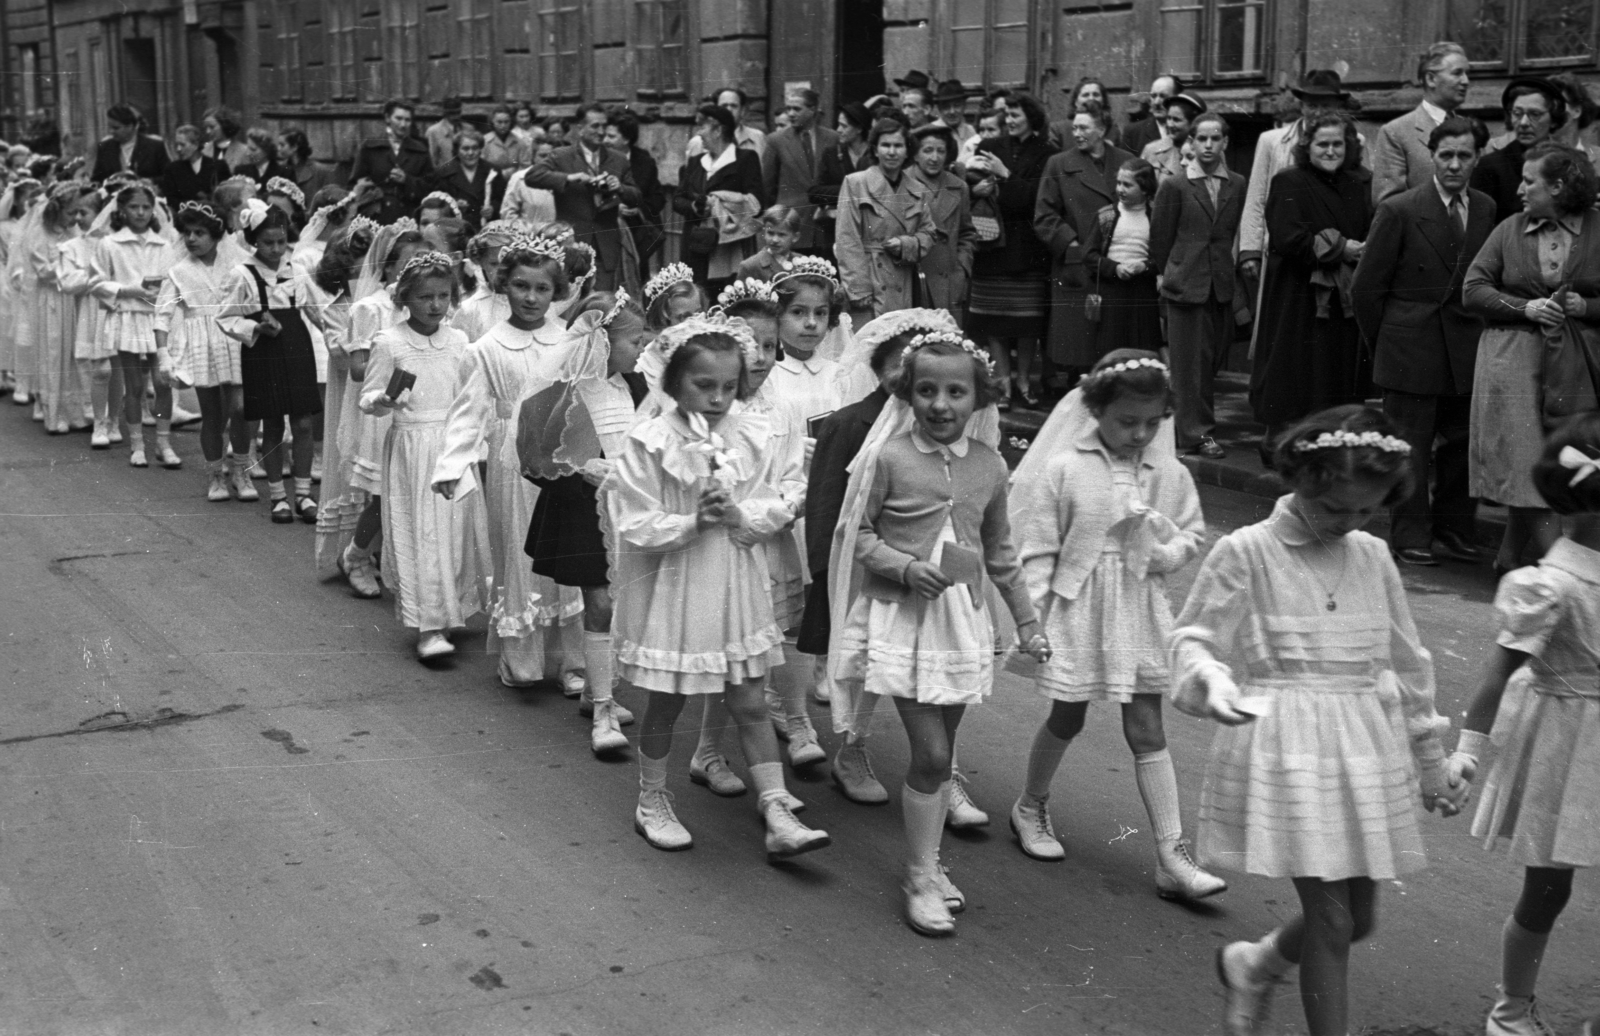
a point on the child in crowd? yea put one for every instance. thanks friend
(192, 348)
(780, 228)
(93, 351)
(131, 266)
(691, 501)
(287, 195)
(437, 206)
(333, 287)
(1295, 635)
(923, 534)
(434, 548)
(16, 375)
(61, 392)
(1102, 517)
(488, 306)
(1540, 695)
(671, 297)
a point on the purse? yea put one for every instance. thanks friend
(1569, 374)
(1093, 301)
(986, 223)
(700, 239)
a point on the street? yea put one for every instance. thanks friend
(233, 802)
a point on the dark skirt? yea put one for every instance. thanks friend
(1009, 307)
(1130, 317)
(564, 538)
(814, 624)
(280, 372)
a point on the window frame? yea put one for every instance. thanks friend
(1515, 43)
(553, 16)
(993, 29)
(1208, 40)
(648, 20)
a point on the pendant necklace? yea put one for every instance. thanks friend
(1332, 604)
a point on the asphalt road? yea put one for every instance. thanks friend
(232, 802)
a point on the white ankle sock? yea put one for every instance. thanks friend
(302, 486)
(598, 660)
(924, 820)
(768, 779)
(1158, 786)
(790, 679)
(652, 773)
(1266, 959)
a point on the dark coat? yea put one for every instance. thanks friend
(261, 176)
(1135, 135)
(1304, 363)
(1072, 192)
(312, 177)
(1498, 175)
(149, 158)
(947, 266)
(1023, 252)
(593, 218)
(483, 189)
(743, 176)
(839, 438)
(648, 234)
(180, 182)
(1191, 241)
(1407, 293)
(833, 167)
(788, 178)
(375, 161)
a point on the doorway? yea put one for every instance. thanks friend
(140, 82)
(859, 67)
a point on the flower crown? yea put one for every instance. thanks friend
(60, 191)
(201, 207)
(506, 228)
(568, 245)
(672, 273)
(1343, 440)
(405, 225)
(750, 289)
(288, 188)
(445, 200)
(673, 338)
(253, 213)
(366, 223)
(537, 247)
(948, 338)
(1127, 366)
(427, 261)
(623, 298)
(808, 266)
(23, 181)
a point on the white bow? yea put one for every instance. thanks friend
(1575, 460)
(253, 213)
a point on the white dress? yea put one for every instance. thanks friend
(340, 506)
(693, 609)
(480, 313)
(435, 551)
(1542, 792)
(61, 386)
(1322, 786)
(498, 371)
(786, 551)
(363, 434)
(76, 277)
(10, 233)
(125, 259)
(810, 386)
(186, 309)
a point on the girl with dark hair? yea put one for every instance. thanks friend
(706, 184)
(1118, 260)
(1308, 348)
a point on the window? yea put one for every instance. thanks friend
(990, 42)
(72, 81)
(560, 37)
(658, 48)
(290, 75)
(1213, 39)
(1516, 35)
(474, 27)
(402, 47)
(343, 70)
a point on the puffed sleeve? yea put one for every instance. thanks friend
(1413, 668)
(635, 496)
(1528, 608)
(241, 304)
(1041, 516)
(782, 498)
(169, 302)
(75, 271)
(380, 368)
(365, 323)
(464, 428)
(1207, 630)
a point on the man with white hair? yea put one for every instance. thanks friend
(1401, 158)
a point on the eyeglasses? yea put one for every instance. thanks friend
(1529, 115)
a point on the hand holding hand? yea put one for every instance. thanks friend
(596, 471)
(1438, 794)
(1572, 305)
(1034, 644)
(926, 580)
(446, 488)
(713, 508)
(1545, 312)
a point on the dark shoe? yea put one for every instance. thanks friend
(1457, 547)
(1209, 448)
(1415, 556)
(1265, 453)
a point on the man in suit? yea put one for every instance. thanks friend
(731, 99)
(643, 220)
(1401, 158)
(1535, 108)
(1136, 136)
(127, 150)
(1407, 300)
(396, 162)
(791, 162)
(441, 136)
(591, 183)
(1193, 226)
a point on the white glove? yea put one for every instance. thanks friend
(1221, 694)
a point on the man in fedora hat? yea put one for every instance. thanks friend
(1535, 109)
(914, 79)
(1401, 158)
(951, 101)
(441, 135)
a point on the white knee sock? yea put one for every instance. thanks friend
(602, 667)
(791, 679)
(768, 779)
(924, 820)
(573, 646)
(1158, 786)
(652, 773)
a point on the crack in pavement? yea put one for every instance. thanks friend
(163, 718)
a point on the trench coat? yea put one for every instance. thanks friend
(871, 213)
(946, 269)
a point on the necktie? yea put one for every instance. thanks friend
(810, 153)
(1458, 222)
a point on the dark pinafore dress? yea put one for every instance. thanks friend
(280, 372)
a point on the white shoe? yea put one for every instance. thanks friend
(1035, 834)
(20, 398)
(852, 772)
(1179, 877)
(114, 432)
(963, 814)
(586, 707)
(360, 571)
(1247, 995)
(243, 488)
(787, 837)
(38, 411)
(434, 644)
(606, 734)
(218, 492)
(99, 439)
(572, 684)
(182, 418)
(1517, 1016)
(927, 911)
(169, 457)
(136, 459)
(716, 775)
(653, 817)
(803, 747)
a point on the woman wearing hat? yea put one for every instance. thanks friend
(850, 156)
(1166, 155)
(1535, 109)
(945, 269)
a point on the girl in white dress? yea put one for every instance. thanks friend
(1099, 528)
(333, 286)
(192, 348)
(436, 551)
(61, 393)
(19, 196)
(1538, 711)
(93, 350)
(1298, 638)
(693, 498)
(131, 264)
(923, 535)
(497, 373)
(488, 306)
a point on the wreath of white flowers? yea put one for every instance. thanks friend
(529, 246)
(673, 338)
(365, 223)
(1127, 366)
(200, 207)
(427, 261)
(1343, 440)
(670, 274)
(749, 289)
(405, 225)
(288, 188)
(808, 266)
(448, 201)
(623, 298)
(948, 338)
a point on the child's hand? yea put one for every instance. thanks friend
(1460, 768)
(1221, 694)
(1034, 643)
(926, 579)
(446, 488)
(596, 471)
(713, 507)
(137, 293)
(811, 447)
(1437, 794)
(268, 326)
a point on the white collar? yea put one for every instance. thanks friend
(730, 154)
(927, 445)
(794, 364)
(1445, 195)
(148, 236)
(1436, 113)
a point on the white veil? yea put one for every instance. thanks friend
(856, 380)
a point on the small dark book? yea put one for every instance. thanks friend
(399, 381)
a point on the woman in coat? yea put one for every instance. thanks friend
(947, 266)
(851, 155)
(1510, 285)
(729, 173)
(1078, 185)
(471, 181)
(1309, 354)
(883, 230)
(1010, 296)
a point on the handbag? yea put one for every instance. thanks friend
(1569, 373)
(700, 239)
(1093, 301)
(986, 223)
